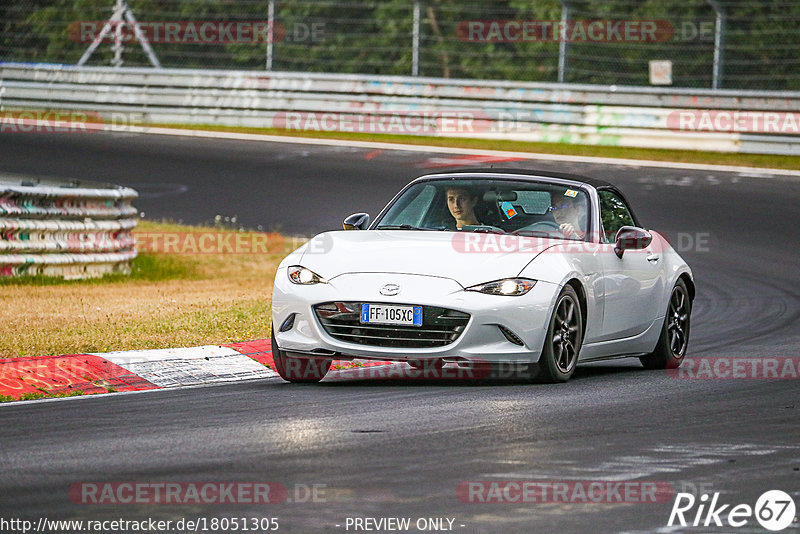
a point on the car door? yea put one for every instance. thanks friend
(632, 284)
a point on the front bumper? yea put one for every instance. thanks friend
(481, 341)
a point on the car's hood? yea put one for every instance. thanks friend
(465, 257)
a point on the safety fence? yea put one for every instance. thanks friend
(116, 98)
(742, 44)
(65, 229)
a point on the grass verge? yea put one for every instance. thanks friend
(171, 299)
(41, 395)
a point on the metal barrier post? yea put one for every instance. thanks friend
(415, 42)
(270, 32)
(719, 40)
(562, 42)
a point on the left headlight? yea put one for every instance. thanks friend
(511, 287)
(302, 276)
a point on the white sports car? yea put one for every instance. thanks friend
(489, 268)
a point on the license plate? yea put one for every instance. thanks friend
(388, 314)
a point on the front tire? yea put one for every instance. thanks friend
(563, 341)
(298, 370)
(671, 347)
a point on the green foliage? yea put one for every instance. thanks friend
(155, 267)
(40, 395)
(150, 267)
(761, 46)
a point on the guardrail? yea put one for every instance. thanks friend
(582, 114)
(71, 230)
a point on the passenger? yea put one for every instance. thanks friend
(461, 204)
(570, 215)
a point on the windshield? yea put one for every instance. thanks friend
(491, 206)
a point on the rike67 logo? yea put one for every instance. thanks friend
(774, 510)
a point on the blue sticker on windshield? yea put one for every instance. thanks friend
(508, 209)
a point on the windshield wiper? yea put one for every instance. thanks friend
(407, 227)
(486, 230)
(532, 233)
(399, 227)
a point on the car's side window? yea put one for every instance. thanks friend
(614, 214)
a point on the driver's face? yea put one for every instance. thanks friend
(565, 210)
(461, 204)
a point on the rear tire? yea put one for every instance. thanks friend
(298, 370)
(563, 341)
(671, 347)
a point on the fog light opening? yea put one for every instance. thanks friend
(511, 336)
(287, 324)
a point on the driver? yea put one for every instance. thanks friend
(461, 204)
(570, 215)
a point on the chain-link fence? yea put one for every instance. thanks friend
(737, 44)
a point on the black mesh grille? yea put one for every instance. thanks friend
(511, 336)
(440, 326)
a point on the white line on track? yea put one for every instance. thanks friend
(754, 172)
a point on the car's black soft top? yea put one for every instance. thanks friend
(594, 182)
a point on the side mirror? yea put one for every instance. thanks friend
(633, 238)
(356, 221)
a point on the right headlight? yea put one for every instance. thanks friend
(511, 287)
(302, 276)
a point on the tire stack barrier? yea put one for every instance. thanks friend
(71, 230)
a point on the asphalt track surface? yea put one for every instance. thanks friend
(400, 448)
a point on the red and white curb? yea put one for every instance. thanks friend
(137, 370)
(190, 366)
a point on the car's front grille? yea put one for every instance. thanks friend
(440, 326)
